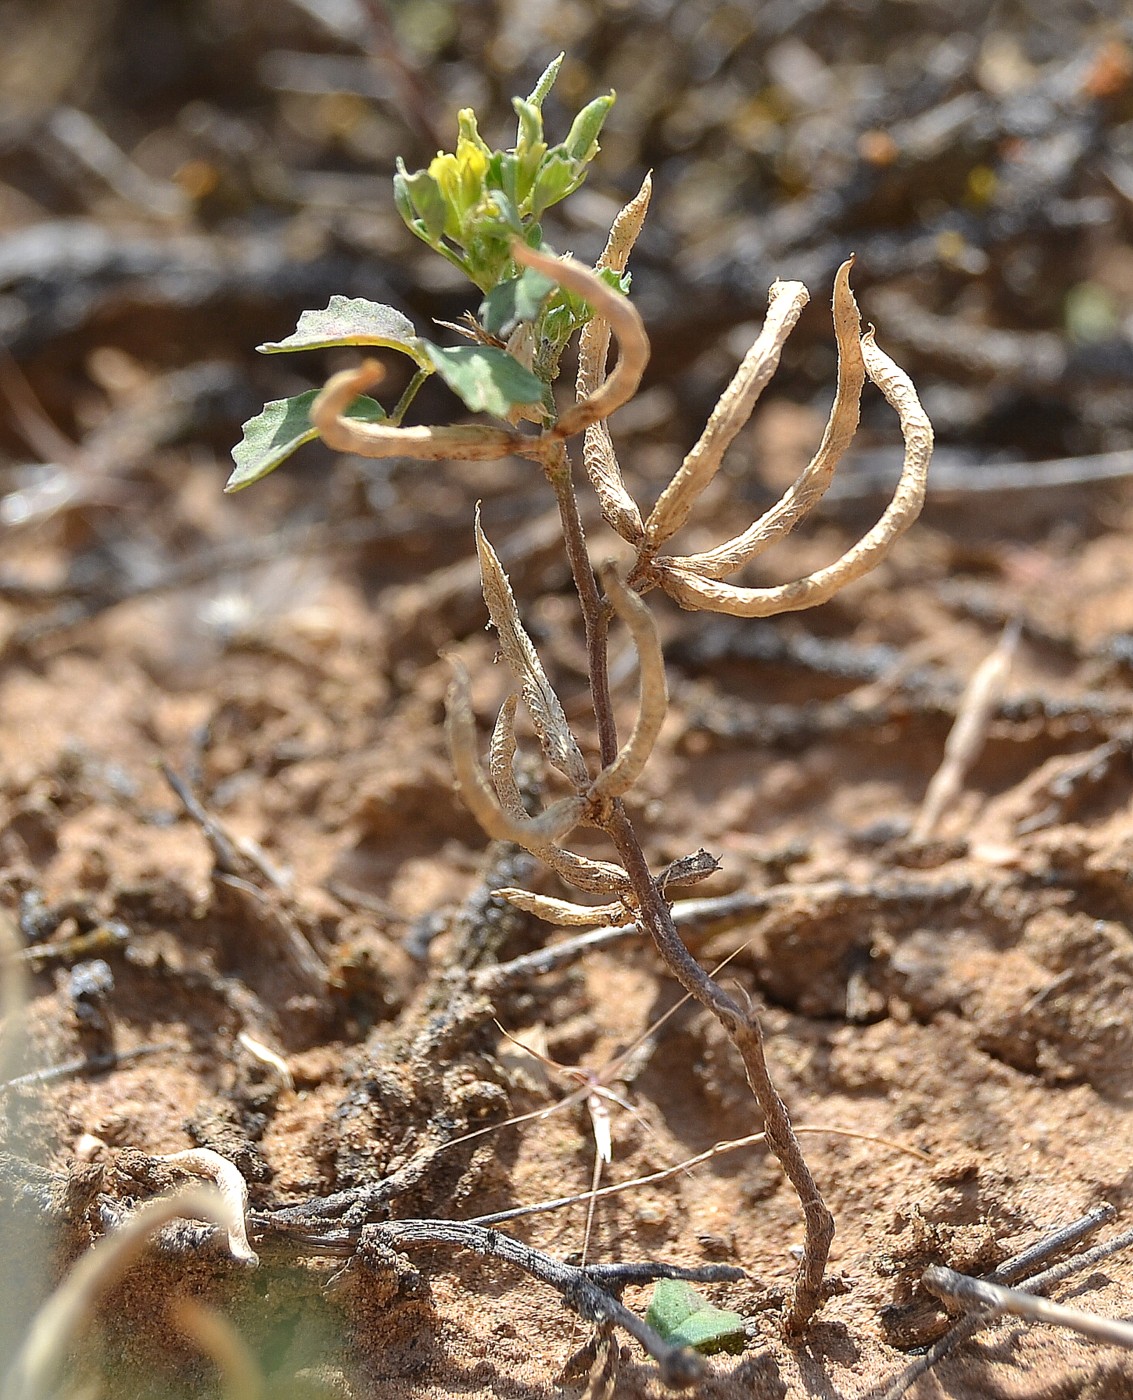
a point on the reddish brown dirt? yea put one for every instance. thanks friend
(979, 1016)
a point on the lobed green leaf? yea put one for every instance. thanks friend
(282, 427)
(351, 321)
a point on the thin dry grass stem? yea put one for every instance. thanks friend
(222, 1344)
(969, 732)
(589, 1079)
(603, 1156)
(594, 1090)
(35, 1373)
(734, 408)
(620, 775)
(563, 912)
(13, 994)
(267, 1056)
(626, 324)
(598, 455)
(470, 442)
(808, 490)
(233, 1190)
(980, 1295)
(534, 834)
(557, 742)
(694, 592)
(720, 1149)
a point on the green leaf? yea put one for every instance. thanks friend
(517, 299)
(486, 379)
(350, 321)
(420, 202)
(283, 426)
(557, 177)
(684, 1318)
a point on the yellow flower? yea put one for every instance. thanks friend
(460, 178)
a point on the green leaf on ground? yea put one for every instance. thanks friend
(283, 426)
(684, 1318)
(488, 380)
(350, 321)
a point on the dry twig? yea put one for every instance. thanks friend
(993, 1298)
(969, 733)
(1016, 1270)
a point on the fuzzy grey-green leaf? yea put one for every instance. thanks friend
(279, 429)
(350, 321)
(685, 1318)
(514, 300)
(487, 380)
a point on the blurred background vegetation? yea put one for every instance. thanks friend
(978, 159)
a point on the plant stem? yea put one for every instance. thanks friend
(746, 1033)
(742, 1026)
(595, 617)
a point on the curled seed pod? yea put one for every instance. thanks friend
(688, 870)
(233, 1189)
(464, 442)
(625, 322)
(563, 911)
(532, 833)
(620, 775)
(786, 301)
(555, 739)
(598, 456)
(501, 756)
(801, 498)
(584, 873)
(696, 593)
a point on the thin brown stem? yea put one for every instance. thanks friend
(746, 1034)
(595, 617)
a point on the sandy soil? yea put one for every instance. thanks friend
(965, 998)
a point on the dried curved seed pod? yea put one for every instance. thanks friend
(501, 756)
(801, 498)
(233, 1189)
(627, 225)
(36, 1371)
(625, 322)
(688, 870)
(785, 303)
(619, 509)
(620, 775)
(696, 593)
(555, 739)
(565, 912)
(585, 873)
(598, 456)
(533, 833)
(470, 442)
